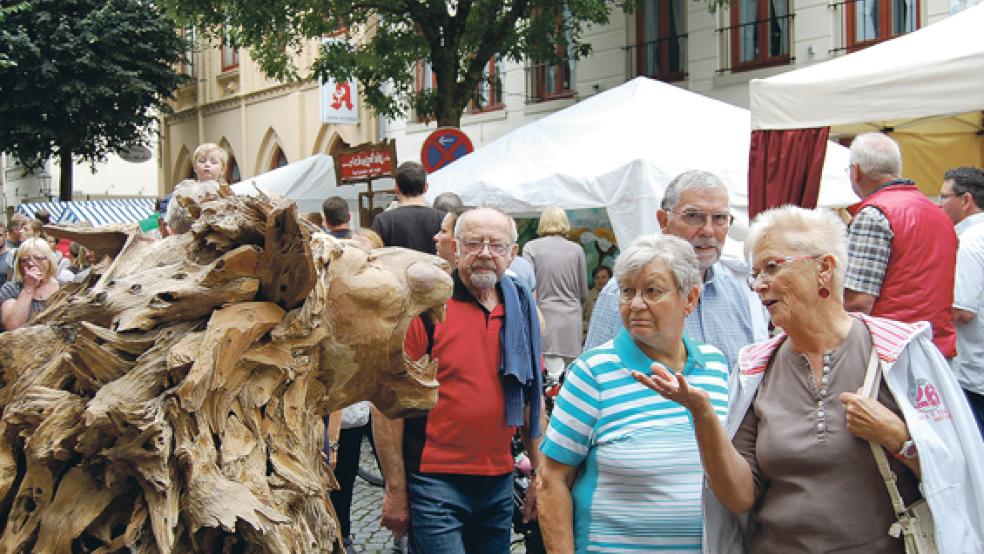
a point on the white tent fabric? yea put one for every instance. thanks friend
(307, 182)
(937, 70)
(618, 150)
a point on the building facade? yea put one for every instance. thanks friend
(683, 42)
(263, 124)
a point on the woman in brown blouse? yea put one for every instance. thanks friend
(795, 456)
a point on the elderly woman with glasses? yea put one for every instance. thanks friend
(33, 283)
(796, 457)
(621, 469)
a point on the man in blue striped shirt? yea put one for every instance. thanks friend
(695, 208)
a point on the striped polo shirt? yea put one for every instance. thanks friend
(640, 484)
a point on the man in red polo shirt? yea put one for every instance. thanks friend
(449, 474)
(901, 247)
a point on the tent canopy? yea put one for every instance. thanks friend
(936, 70)
(618, 150)
(96, 212)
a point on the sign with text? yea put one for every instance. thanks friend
(365, 162)
(339, 101)
(444, 146)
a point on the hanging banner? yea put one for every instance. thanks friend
(339, 101)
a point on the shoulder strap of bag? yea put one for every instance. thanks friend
(872, 382)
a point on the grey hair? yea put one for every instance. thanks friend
(676, 253)
(695, 179)
(467, 214)
(799, 231)
(877, 155)
(449, 202)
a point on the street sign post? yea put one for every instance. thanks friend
(444, 146)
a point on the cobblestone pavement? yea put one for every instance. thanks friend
(368, 536)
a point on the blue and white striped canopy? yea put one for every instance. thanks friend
(54, 209)
(96, 212)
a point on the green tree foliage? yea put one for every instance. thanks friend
(84, 78)
(382, 40)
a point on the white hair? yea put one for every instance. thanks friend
(877, 155)
(802, 232)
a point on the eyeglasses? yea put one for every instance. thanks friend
(944, 196)
(35, 259)
(477, 246)
(650, 295)
(772, 267)
(694, 218)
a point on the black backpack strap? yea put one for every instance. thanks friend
(428, 322)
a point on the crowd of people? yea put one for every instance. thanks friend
(812, 404)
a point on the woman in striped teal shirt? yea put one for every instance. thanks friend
(621, 469)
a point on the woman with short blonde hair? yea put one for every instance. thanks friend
(561, 288)
(553, 221)
(33, 283)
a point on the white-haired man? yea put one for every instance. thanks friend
(695, 208)
(901, 248)
(449, 474)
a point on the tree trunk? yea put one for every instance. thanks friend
(174, 403)
(65, 175)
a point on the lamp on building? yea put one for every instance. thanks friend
(44, 179)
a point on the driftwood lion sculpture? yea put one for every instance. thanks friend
(173, 402)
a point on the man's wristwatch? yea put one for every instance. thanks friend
(333, 446)
(908, 451)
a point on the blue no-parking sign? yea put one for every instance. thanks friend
(444, 146)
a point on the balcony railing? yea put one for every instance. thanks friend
(901, 18)
(664, 58)
(549, 81)
(755, 44)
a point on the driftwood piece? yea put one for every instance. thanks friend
(174, 402)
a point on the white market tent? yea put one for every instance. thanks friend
(307, 182)
(936, 70)
(618, 150)
(926, 88)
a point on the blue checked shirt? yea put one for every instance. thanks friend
(723, 316)
(869, 247)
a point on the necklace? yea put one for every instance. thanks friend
(820, 395)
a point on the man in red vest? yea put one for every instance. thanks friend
(901, 247)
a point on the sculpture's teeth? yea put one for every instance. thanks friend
(424, 370)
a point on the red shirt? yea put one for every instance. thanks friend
(465, 433)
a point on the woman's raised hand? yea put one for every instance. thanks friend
(672, 386)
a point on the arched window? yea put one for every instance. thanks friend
(232, 171)
(279, 159)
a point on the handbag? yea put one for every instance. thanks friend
(915, 522)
